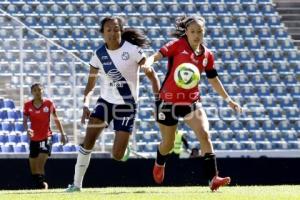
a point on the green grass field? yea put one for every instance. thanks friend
(159, 193)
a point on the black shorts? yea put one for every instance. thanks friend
(123, 115)
(37, 147)
(169, 113)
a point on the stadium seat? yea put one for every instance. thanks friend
(57, 147)
(252, 10)
(3, 137)
(273, 21)
(161, 10)
(268, 9)
(258, 136)
(247, 145)
(176, 10)
(3, 114)
(8, 103)
(145, 10)
(232, 145)
(292, 113)
(206, 10)
(220, 9)
(237, 44)
(71, 9)
(101, 10)
(263, 145)
(279, 144)
(56, 9)
(236, 9)
(276, 114)
(21, 148)
(7, 126)
(258, 21)
(69, 147)
(24, 137)
(253, 44)
(8, 147)
(294, 145)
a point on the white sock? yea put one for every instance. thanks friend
(83, 161)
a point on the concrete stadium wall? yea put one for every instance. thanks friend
(14, 173)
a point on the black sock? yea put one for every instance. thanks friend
(38, 180)
(210, 165)
(35, 180)
(161, 159)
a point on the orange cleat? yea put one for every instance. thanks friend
(217, 182)
(158, 173)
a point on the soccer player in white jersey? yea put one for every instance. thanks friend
(118, 62)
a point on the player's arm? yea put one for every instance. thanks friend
(152, 59)
(25, 125)
(88, 89)
(218, 87)
(90, 84)
(152, 76)
(64, 138)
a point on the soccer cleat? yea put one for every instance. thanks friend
(73, 188)
(217, 182)
(45, 184)
(158, 173)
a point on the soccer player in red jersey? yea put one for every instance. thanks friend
(175, 101)
(38, 112)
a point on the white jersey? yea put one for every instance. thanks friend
(118, 70)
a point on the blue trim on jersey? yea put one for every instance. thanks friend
(108, 65)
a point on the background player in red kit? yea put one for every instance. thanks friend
(38, 111)
(177, 102)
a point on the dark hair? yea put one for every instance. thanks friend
(182, 23)
(34, 85)
(131, 35)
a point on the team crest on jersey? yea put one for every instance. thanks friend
(125, 55)
(46, 109)
(204, 62)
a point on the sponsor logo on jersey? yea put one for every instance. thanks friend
(46, 109)
(104, 57)
(204, 62)
(125, 55)
(114, 74)
(107, 63)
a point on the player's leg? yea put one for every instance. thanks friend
(98, 120)
(40, 165)
(94, 128)
(34, 149)
(198, 121)
(120, 144)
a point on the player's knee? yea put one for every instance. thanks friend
(168, 145)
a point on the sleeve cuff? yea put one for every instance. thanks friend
(211, 73)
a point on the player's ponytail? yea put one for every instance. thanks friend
(182, 23)
(131, 35)
(135, 37)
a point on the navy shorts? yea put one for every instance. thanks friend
(123, 115)
(169, 113)
(37, 147)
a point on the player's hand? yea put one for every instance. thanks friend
(30, 132)
(235, 106)
(147, 69)
(64, 139)
(85, 114)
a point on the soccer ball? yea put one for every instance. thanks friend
(187, 76)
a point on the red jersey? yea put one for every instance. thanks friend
(40, 118)
(179, 51)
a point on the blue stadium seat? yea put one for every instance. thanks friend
(101, 10)
(273, 80)
(8, 147)
(263, 145)
(258, 21)
(280, 33)
(130, 10)
(286, 44)
(242, 80)
(24, 137)
(219, 145)
(13, 137)
(220, 126)
(48, 33)
(85, 9)
(237, 44)
(56, 9)
(205, 10)
(294, 91)
(253, 44)
(279, 144)
(242, 22)
(69, 147)
(3, 137)
(161, 10)
(3, 115)
(220, 44)
(134, 21)
(273, 21)
(294, 145)
(27, 9)
(74, 21)
(279, 91)
(293, 56)
(150, 147)
(176, 10)
(41, 9)
(247, 32)
(149, 22)
(116, 10)
(57, 147)
(1, 102)
(252, 10)
(71, 9)
(12, 9)
(21, 148)
(290, 80)
(165, 22)
(275, 114)
(258, 80)
(7, 126)
(268, 9)
(145, 10)
(260, 56)
(216, 33)
(292, 113)
(227, 56)
(236, 9)
(258, 135)
(225, 135)
(236, 126)
(259, 114)
(45, 21)
(244, 56)
(8, 103)
(270, 44)
(89, 21)
(247, 90)
(231, 32)
(220, 9)
(285, 102)
(268, 126)
(266, 67)
(232, 145)
(264, 33)
(247, 145)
